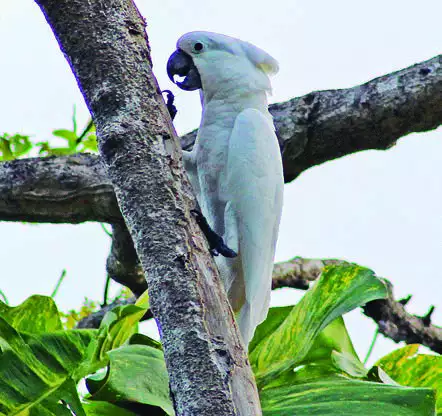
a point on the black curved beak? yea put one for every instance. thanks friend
(181, 64)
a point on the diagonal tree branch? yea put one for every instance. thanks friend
(106, 46)
(312, 129)
(326, 125)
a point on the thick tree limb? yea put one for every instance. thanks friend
(320, 126)
(71, 189)
(326, 125)
(390, 315)
(106, 46)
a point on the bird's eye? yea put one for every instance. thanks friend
(198, 47)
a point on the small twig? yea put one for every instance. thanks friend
(106, 291)
(59, 282)
(426, 319)
(85, 131)
(373, 342)
(405, 300)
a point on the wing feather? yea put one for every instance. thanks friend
(254, 191)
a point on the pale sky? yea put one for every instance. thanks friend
(379, 209)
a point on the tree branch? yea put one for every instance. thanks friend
(325, 125)
(106, 46)
(122, 264)
(68, 189)
(312, 129)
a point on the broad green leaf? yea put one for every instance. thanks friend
(332, 353)
(36, 314)
(38, 369)
(407, 367)
(105, 409)
(348, 364)
(333, 339)
(346, 397)
(20, 145)
(57, 151)
(275, 317)
(117, 326)
(339, 290)
(136, 373)
(380, 376)
(141, 339)
(303, 374)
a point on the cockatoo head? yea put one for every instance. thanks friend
(209, 61)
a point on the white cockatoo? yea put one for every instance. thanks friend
(235, 166)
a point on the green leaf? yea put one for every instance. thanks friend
(36, 314)
(5, 148)
(345, 397)
(20, 145)
(136, 373)
(407, 367)
(275, 317)
(141, 339)
(105, 409)
(348, 364)
(117, 326)
(339, 290)
(90, 143)
(65, 134)
(332, 346)
(303, 374)
(333, 338)
(74, 118)
(38, 369)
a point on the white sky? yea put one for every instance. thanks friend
(379, 209)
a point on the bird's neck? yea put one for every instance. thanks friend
(224, 107)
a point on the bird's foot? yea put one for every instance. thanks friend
(216, 242)
(169, 103)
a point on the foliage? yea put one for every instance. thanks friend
(409, 368)
(71, 141)
(71, 319)
(302, 356)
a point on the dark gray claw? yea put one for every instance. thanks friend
(170, 103)
(216, 243)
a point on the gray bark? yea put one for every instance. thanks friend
(106, 46)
